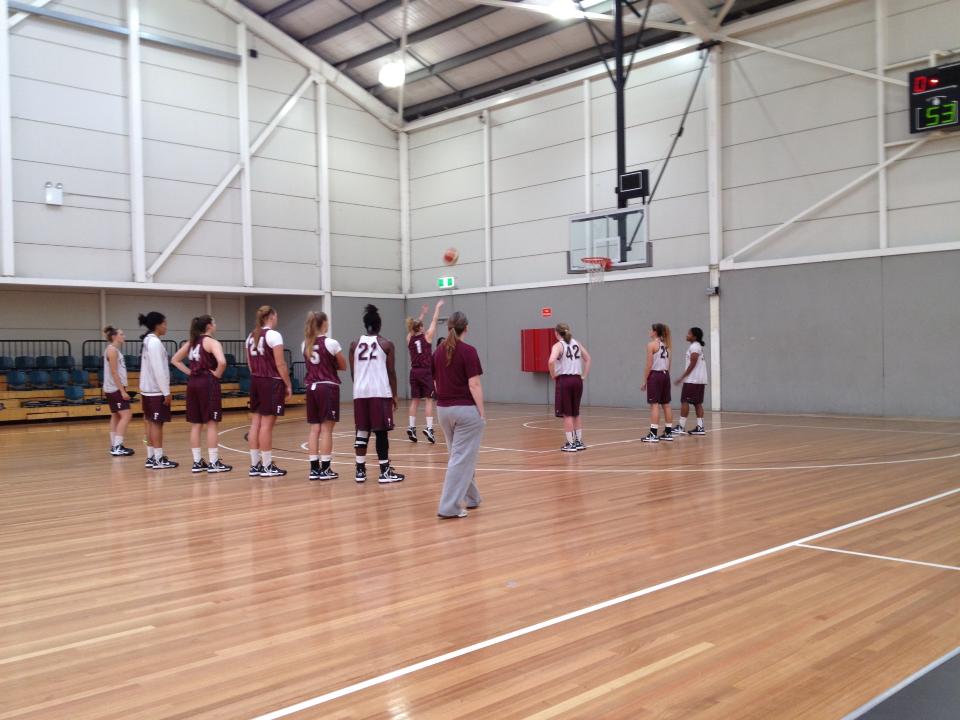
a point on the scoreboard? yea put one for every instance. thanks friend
(935, 98)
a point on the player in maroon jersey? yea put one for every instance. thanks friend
(421, 370)
(204, 406)
(269, 389)
(324, 358)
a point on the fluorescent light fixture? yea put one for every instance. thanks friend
(567, 9)
(393, 74)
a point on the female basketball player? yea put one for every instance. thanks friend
(456, 367)
(324, 358)
(421, 371)
(155, 388)
(657, 385)
(569, 365)
(372, 363)
(115, 390)
(204, 406)
(694, 380)
(269, 389)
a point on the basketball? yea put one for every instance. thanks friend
(450, 256)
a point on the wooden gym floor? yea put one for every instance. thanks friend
(780, 567)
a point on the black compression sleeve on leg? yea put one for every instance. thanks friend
(383, 445)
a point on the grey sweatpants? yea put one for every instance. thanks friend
(463, 428)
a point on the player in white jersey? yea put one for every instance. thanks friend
(114, 380)
(657, 384)
(569, 365)
(694, 381)
(372, 367)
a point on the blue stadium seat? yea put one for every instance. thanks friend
(298, 387)
(16, 380)
(66, 362)
(59, 378)
(73, 393)
(26, 362)
(40, 380)
(230, 374)
(230, 358)
(132, 362)
(7, 364)
(243, 372)
(46, 362)
(245, 385)
(80, 377)
(91, 363)
(177, 377)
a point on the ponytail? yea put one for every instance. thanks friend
(150, 321)
(110, 332)
(663, 332)
(259, 318)
(198, 327)
(311, 329)
(414, 326)
(698, 335)
(563, 330)
(456, 324)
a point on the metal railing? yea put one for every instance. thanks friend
(35, 348)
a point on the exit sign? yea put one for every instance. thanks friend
(445, 282)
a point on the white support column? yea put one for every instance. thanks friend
(243, 107)
(587, 148)
(880, 31)
(487, 202)
(323, 186)
(6, 151)
(405, 240)
(138, 245)
(715, 210)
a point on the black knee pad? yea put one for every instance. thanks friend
(362, 437)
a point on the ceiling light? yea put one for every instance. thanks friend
(567, 9)
(392, 74)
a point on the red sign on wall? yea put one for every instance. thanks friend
(546, 312)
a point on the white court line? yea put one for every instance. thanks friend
(533, 425)
(446, 657)
(880, 557)
(864, 709)
(621, 442)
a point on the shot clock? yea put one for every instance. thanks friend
(935, 98)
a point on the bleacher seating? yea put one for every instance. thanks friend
(40, 380)
(6, 364)
(132, 362)
(91, 363)
(297, 386)
(66, 362)
(46, 362)
(230, 374)
(177, 377)
(59, 378)
(80, 377)
(230, 358)
(73, 394)
(16, 380)
(243, 372)
(245, 385)
(26, 362)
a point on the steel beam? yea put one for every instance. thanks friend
(696, 17)
(21, 16)
(243, 139)
(351, 22)
(285, 9)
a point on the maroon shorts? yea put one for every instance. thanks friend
(568, 393)
(323, 403)
(692, 393)
(117, 403)
(658, 387)
(203, 400)
(421, 383)
(371, 414)
(267, 396)
(154, 408)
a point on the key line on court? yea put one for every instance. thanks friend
(879, 557)
(566, 617)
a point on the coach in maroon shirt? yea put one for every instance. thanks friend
(456, 372)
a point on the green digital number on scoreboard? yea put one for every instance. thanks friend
(935, 98)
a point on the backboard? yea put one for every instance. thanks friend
(621, 235)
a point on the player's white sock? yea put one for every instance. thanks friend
(413, 421)
(157, 453)
(254, 457)
(117, 440)
(197, 454)
(314, 458)
(150, 451)
(429, 423)
(654, 428)
(569, 437)
(579, 434)
(682, 422)
(700, 423)
(214, 455)
(326, 458)
(113, 441)
(361, 460)
(267, 457)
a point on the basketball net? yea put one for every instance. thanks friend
(597, 268)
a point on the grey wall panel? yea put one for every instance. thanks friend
(292, 246)
(354, 279)
(284, 211)
(652, 101)
(545, 129)
(446, 131)
(365, 253)
(335, 97)
(192, 19)
(679, 216)
(905, 191)
(294, 146)
(82, 186)
(167, 57)
(805, 338)
(363, 158)
(447, 219)
(538, 105)
(439, 188)
(531, 268)
(550, 235)
(827, 24)
(70, 226)
(61, 34)
(72, 263)
(363, 221)
(650, 141)
(273, 274)
(428, 252)
(455, 152)
(681, 252)
(264, 105)
(466, 275)
(360, 189)
(536, 167)
(208, 239)
(360, 126)
(920, 340)
(618, 346)
(173, 161)
(809, 237)
(347, 320)
(58, 145)
(189, 127)
(285, 178)
(204, 270)
(172, 198)
(71, 66)
(73, 107)
(168, 86)
(931, 25)
(564, 197)
(925, 224)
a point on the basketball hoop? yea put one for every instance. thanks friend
(596, 268)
